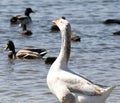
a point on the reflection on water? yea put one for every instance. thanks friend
(96, 57)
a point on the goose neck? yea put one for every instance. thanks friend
(65, 45)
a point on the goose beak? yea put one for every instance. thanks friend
(55, 22)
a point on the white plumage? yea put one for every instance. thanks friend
(68, 86)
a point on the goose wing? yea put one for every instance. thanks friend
(78, 84)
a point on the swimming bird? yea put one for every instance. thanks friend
(22, 18)
(112, 21)
(66, 85)
(50, 60)
(116, 33)
(75, 38)
(24, 30)
(27, 53)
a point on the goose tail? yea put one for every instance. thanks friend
(108, 91)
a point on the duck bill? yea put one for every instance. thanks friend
(34, 11)
(6, 47)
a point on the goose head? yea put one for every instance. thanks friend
(61, 23)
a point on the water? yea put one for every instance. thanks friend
(96, 57)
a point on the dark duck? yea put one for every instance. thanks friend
(22, 18)
(112, 21)
(24, 30)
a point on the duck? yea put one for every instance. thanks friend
(75, 38)
(112, 21)
(24, 30)
(27, 53)
(54, 28)
(116, 33)
(22, 18)
(66, 85)
(50, 60)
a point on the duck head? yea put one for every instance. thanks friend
(28, 11)
(10, 45)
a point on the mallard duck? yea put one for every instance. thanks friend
(66, 85)
(22, 18)
(24, 30)
(112, 21)
(27, 53)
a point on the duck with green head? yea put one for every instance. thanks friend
(27, 53)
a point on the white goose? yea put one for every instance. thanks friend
(68, 86)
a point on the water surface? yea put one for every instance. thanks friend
(96, 57)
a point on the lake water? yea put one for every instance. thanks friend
(96, 57)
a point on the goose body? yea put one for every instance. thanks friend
(68, 86)
(27, 53)
(22, 18)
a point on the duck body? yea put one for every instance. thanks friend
(112, 21)
(30, 54)
(27, 53)
(24, 30)
(54, 28)
(116, 33)
(68, 86)
(75, 38)
(22, 18)
(50, 60)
